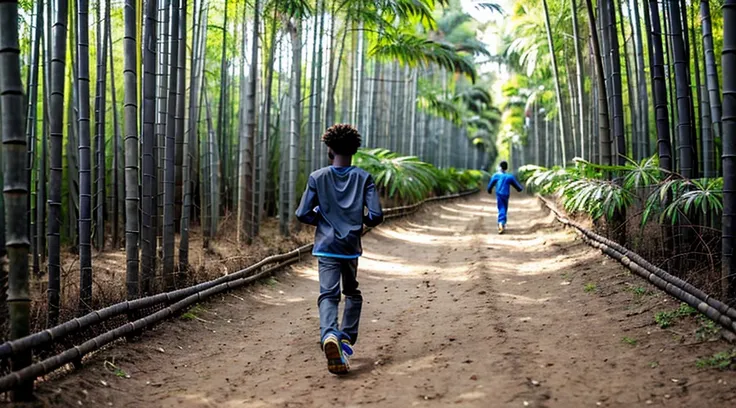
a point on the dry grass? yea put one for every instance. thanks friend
(224, 256)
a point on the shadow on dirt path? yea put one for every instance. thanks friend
(454, 314)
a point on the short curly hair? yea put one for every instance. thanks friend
(343, 139)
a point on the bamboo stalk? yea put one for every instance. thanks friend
(15, 188)
(149, 208)
(56, 127)
(130, 134)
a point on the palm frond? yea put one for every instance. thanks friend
(676, 198)
(406, 177)
(299, 9)
(494, 7)
(383, 13)
(475, 93)
(452, 21)
(446, 109)
(409, 179)
(411, 49)
(598, 198)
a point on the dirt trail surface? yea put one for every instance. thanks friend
(454, 315)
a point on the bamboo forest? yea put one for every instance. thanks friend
(158, 157)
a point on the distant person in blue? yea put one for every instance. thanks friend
(503, 182)
(335, 201)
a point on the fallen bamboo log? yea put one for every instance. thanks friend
(714, 309)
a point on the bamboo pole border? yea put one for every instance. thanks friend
(177, 300)
(712, 308)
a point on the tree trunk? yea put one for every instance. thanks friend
(85, 179)
(711, 72)
(207, 198)
(212, 161)
(642, 84)
(606, 144)
(313, 110)
(296, 121)
(170, 156)
(15, 188)
(72, 152)
(163, 55)
(729, 150)
(4, 321)
(630, 80)
(659, 89)
(243, 203)
(707, 162)
(179, 127)
(674, 141)
(116, 137)
(31, 136)
(684, 97)
(202, 142)
(605, 44)
(333, 77)
(619, 131)
(56, 134)
(413, 120)
(190, 137)
(263, 170)
(149, 209)
(247, 210)
(558, 89)
(181, 144)
(318, 126)
(100, 112)
(376, 91)
(41, 185)
(221, 128)
(573, 119)
(579, 70)
(130, 124)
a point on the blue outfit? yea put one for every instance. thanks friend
(503, 182)
(335, 201)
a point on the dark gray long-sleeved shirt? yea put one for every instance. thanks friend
(335, 201)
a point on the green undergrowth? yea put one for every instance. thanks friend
(707, 328)
(192, 313)
(668, 318)
(407, 180)
(630, 341)
(602, 191)
(639, 291)
(724, 360)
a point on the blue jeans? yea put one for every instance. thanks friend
(503, 207)
(331, 272)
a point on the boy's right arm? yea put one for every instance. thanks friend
(308, 211)
(492, 183)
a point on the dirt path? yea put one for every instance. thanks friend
(454, 315)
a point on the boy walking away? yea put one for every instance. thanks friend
(503, 182)
(335, 201)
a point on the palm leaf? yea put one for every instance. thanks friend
(411, 49)
(494, 7)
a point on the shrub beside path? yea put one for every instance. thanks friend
(454, 315)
